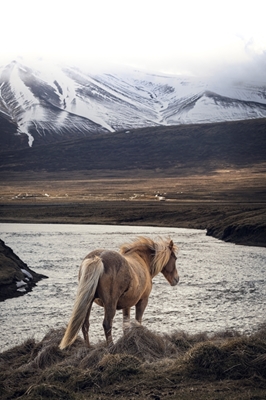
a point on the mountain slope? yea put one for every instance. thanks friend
(47, 104)
(204, 146)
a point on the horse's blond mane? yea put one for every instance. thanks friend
(160, 247)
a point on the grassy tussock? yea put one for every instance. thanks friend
(144, 344)
(140, 363)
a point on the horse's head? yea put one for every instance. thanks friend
(169, 270)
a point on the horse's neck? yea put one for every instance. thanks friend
(144, 258)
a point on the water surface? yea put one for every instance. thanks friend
(222, 285)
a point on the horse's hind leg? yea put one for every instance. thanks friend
(86, 326)
(109, 313)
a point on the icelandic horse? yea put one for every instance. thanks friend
(119, 280)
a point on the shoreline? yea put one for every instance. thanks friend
(239, 223)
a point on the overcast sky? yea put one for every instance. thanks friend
(197, 37)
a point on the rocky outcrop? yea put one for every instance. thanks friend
(16, 278)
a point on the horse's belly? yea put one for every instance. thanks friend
(99, 302)
(127, 301)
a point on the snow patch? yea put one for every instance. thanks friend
(20, 284)
(27, 273)
(58, 100)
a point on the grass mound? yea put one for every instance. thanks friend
(140, 364)
(232, 358)
(116, 367)
(144, 344)
(46, 391)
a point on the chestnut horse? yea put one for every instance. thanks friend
(119, 280)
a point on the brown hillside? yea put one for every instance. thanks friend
(171, 149)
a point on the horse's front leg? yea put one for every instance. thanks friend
(109, 313)
(140, 308)
(126, 319)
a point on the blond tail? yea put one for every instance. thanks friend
(91, 270)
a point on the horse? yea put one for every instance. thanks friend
(119, 280)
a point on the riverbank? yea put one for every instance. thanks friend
(241, 223)
(16, 278)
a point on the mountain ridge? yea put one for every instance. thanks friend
(50, 104)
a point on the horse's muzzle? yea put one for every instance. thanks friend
(175, 281)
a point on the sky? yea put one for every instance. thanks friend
(198, 37)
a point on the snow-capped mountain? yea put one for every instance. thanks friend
(51, 103)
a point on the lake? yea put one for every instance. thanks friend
(222, 285)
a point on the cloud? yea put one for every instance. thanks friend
(196, 37)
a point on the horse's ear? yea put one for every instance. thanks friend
(171, 245)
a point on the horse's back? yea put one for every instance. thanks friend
(94, 253)
(112, 260)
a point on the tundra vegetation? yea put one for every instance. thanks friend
(141, 364)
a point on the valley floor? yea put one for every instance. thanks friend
(229, 204)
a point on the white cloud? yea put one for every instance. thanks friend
(172, 36)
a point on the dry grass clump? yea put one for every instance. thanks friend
(88, 358)
(233, 357)
(117, 367)
(246, 358)
(141, 359)
(48, 355)
(184, 341)
(46, 391)
(204, 360)
(16, 355)
(144, 344)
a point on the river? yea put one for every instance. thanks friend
(222, 285)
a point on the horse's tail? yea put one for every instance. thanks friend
(91, 270)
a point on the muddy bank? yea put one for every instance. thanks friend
(16, 278)
(240, 223)
(251, 235)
